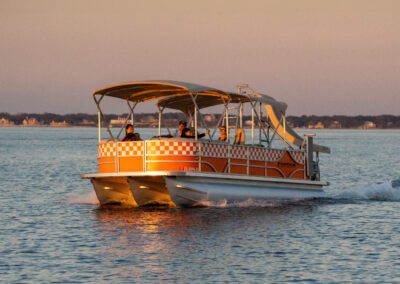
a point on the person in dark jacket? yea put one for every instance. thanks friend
(182, 125)
(130, 135)
(222, 135)
(187, 133)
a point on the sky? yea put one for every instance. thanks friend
(321, 57)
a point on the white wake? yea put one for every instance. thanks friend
(243, 204)
(386, 191)
(84, 198)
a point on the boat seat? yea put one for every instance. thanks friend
(240, 137)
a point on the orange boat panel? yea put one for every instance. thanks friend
(182, 156)
(216, 165)
(131, 164)
(106, 165)
(257, 169)
(183, 166)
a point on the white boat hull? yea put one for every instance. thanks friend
(113, 190)
(187, 191)
(149, 191)
(193, 188)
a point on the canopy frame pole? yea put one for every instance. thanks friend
(227, 121)
(130, 114)
(252, 126)
(197, 111)
(221, 118)
(97, 101)
(195, 123)
(159, 121)
(203, 123)
(160, 110)
(253, 107)
(260, 124)
(268, 127)
(160, 113)
(190, 119)
(194, 114)
(259, 117)
(132, 108)
(241, 115)
(277, 134)
(284, 126)
(99, 125)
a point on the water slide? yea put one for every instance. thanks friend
(287, 132)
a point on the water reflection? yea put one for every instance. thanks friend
(153, 241)
(153, 220)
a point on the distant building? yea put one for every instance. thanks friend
(119, 122)
(30, 121)
(148, 121)
(336, 125)
(169, 122)
(290, 124)
(319, 125)
(86, 122)
(248, 123)
(59, 124)
(368, 125)
(6, 122)
(209, 118)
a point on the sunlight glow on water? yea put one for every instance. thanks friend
(53, 230)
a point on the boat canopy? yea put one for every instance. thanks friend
(179, 95)
(187, 97)
(145, 91)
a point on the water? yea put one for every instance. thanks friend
(53, 231)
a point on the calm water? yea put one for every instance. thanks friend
(53, 231)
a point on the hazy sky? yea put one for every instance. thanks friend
(319, 56)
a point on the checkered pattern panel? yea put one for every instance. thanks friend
(257, 154)
(214, 150)
(274, 155)
(239, 152)
(106, 150)
(169, 148)
(298, 156)
(129, 149)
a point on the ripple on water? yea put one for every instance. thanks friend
(52, 229)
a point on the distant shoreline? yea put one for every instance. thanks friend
(247, 128)
(150, 120)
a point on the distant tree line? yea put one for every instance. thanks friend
(381, 121)
(304, 121)
(78, 118)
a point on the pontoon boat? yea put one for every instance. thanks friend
(175, 171)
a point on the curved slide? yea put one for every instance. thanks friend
(290, 135)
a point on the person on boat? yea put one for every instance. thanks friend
(187, 133)
(130, 135)
(222, 134)
(182, 125)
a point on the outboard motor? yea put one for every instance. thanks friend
(396, 183)
(312, 166)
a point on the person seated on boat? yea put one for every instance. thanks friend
(182, 125)
(222, 134)
(239, 137)
(187, 133)
(130, 135)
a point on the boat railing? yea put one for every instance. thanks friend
(204, 156)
